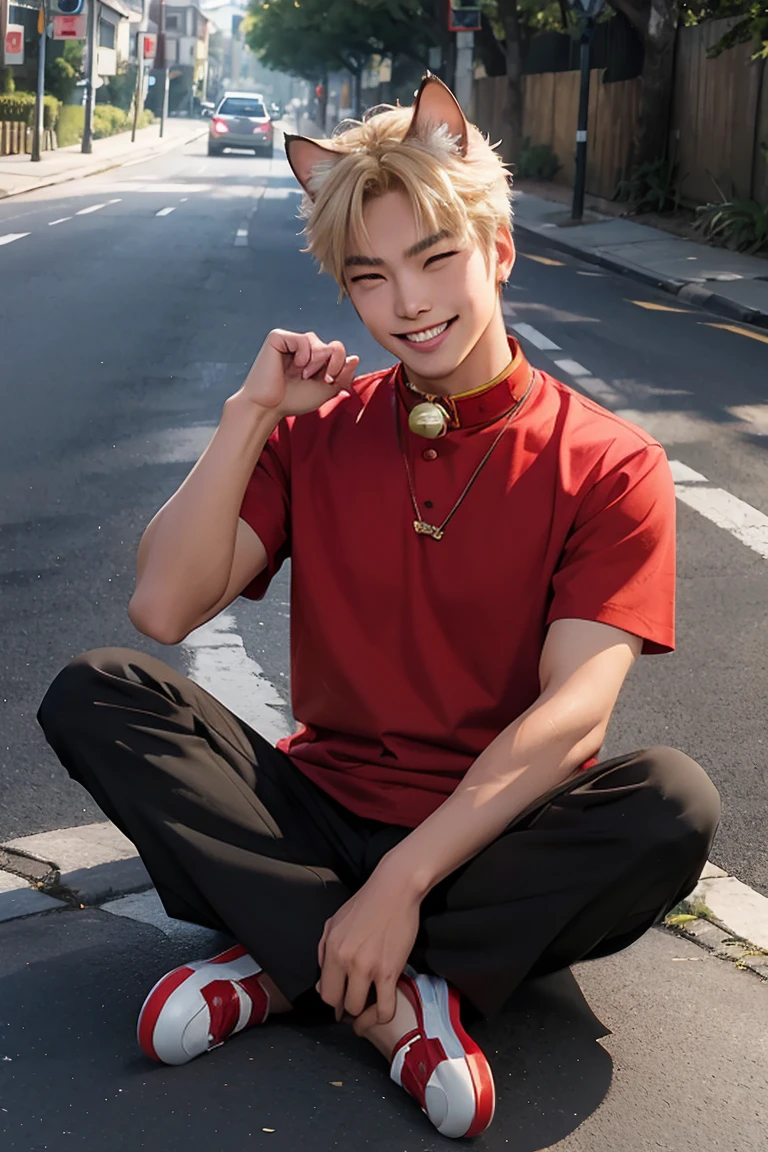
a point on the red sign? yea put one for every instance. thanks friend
(149, 45)
(69, 28)
(14, 44)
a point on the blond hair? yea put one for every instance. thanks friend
(468, 196)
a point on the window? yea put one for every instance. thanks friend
(241, 106)
(106, 34)
(172, 22)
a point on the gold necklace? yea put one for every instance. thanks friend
(435, 531)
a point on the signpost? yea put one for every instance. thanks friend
(587, 11)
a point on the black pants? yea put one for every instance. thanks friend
(236, 838)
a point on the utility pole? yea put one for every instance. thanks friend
(37, 136)
(464, 20)
(587, 11)
(138, 99)
(162, 52)
(90, 79)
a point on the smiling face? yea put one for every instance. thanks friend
(402, 282)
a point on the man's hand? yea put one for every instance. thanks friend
(368, 942)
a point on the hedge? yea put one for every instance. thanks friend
(109, 120)
(69, 129)
(21, 106)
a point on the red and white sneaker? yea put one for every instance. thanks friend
(197, 1007)
(439, 1064)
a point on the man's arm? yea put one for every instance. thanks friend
(368, 941)
(583, 666)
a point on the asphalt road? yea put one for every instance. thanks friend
(123, 330)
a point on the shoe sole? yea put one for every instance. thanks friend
(460, 1096)
(165, 1019)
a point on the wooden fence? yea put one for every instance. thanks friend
(718, 129)
(16, 137)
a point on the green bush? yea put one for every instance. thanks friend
(741, 224)
(70, 127)
(21, 106)
(651, 187)
(108, 121)
(536, 162)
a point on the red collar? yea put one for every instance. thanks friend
(473, 410)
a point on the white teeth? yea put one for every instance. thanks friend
(430, 334)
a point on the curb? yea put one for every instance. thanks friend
(103, 166)
(689, 291)
(95, 863)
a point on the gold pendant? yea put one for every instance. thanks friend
(424, 529)
(429, 420)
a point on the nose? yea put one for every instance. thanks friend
(411, 299)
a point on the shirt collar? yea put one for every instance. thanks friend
(482, 405)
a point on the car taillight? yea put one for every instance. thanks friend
(263, 127)
(219, 126)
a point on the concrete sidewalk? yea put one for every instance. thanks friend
(729, 283)
(18, 174)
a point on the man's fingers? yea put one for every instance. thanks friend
(332, 985)
(386, 1000)
(358, 987)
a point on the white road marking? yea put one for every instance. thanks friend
(118, 201)
(93, 208)
(727, 511)
(165, 212)
(62, 220)
(11, 236)
(538, 339)
(220, 664)
(599, 390)
(572, 367)
(682, 474)
(183, 199)
(241, 236)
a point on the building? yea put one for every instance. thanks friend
(187, 41)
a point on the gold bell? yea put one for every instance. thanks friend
(429, 420)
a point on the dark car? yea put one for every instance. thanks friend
(240, 121)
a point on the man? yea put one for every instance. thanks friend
(479, 554)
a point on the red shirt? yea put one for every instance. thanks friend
(410, 655)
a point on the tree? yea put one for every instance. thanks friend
(311, 37)
(656, 22)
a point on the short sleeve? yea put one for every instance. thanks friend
(618, 563)
(266, 507)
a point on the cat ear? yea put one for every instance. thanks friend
(435, 105)
(302, 155)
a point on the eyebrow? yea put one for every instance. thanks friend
(421, 246)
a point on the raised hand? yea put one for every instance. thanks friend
(296, 372)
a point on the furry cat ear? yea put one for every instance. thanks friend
(435, 105)
(302, 154)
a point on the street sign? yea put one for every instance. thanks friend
(70, 27)
(463, 16)
(14, 44)
(149, 40)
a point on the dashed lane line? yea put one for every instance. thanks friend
(538, 339)
(165, 212)
(746, 523)
(11, 236)
(61, 220)
(739, 331)
(543, 260)
(92, 208)
(651, 307)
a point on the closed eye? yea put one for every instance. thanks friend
(377, 275)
